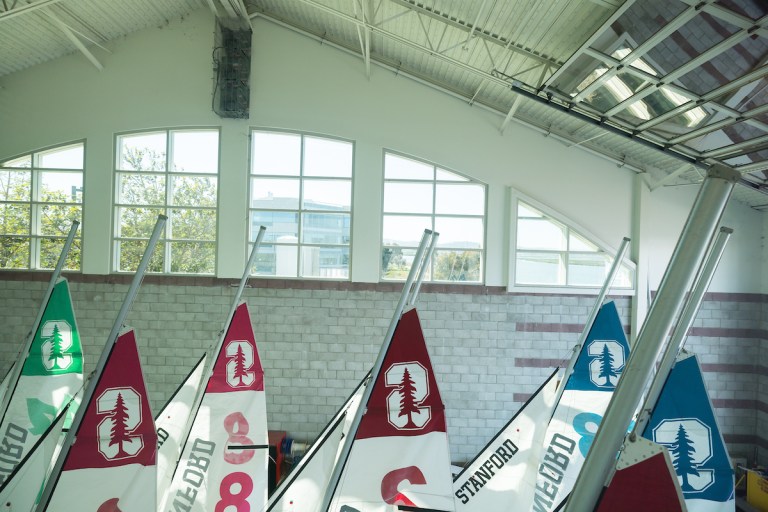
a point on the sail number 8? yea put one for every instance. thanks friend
(236, 487)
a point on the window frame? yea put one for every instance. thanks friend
(165, 207)
(435, 181)
(36, 204)
(572, 227)
(300, 211)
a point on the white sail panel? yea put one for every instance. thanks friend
(503, 475)
(225, 458)
(170, 424)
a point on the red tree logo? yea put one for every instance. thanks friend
(411, 383)
(240, 360)
(121, 408)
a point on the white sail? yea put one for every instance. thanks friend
(22, 488)
(302, 490)
(225, 457)
(503, 475)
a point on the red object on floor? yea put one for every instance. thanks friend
(276, 456)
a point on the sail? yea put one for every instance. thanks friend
(302, 490)
(224, 460)
(50, 376)
(644, 480)
(22, 488)
(170, 424)
(400, 454)
(111, 465)
(684, 421)
(4, 383)
(503, 475)
(578, 414)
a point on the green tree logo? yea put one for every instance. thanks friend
(57, 352)
(57, 340)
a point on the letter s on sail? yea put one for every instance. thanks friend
(391, 480)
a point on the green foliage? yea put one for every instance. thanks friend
(457, 266)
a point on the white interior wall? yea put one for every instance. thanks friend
(161, 77)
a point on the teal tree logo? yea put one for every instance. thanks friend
(689, 442)
(57, 339)
(122, 408)
(404, 410)
(240, 359)
(606, 363)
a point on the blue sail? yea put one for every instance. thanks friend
(685, 423)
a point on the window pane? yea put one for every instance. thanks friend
(328, 262)
(325, 157)
(195, 151)
(15, 219)
(525, 211)
(193, 258)
(457, 266)
(14, 252)
(146, 189)
(61, 187)
(50, 249)
(396, 263)
(587, 269)
(624, 277)
(141, 152)
(275, 194)
(15, 185)
(540, 234)
(193, 191)
(137, 222)
(408, 197)
(460, 199)
(275, 153)
(459, 232)
(404, 231)
(539, 268)
(277, 260)
(325, 228)
(329, 195)
(56, 220)
(401, 168)
(443, 175)
(579, 243)
(24, 161)
(282, 227)
(189, 224)
(69, 157)
(130, 252)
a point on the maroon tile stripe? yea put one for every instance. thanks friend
(521, 397)
(539, 362)
(746, 439)
(727, 332)
(729, 368)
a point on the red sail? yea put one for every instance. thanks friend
(238, 366)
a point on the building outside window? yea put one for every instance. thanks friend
(301, 190)
(174, 173)
(41, 193)
(420, 195)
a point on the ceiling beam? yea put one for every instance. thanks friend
(511, 113)
(26, 8)
(73, 39)
(733, 150)
(464, 26)
(599, 32)
(671, 177)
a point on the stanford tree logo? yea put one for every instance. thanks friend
(606, 363)
(240, 359)
(122, 408)
(411, 389)
(57, 339)
(689, 441)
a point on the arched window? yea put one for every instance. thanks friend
(41, 193)
(174, 173)
(420, 195)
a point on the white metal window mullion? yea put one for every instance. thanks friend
(34, 214)
(300, 212)
(434, 220)
(166, 207)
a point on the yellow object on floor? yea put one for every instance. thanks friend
(757, 490)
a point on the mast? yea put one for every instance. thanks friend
(691, 247)
(211, 361)
(681, 330)
(418, 264)
(95, 376)
(592, 315)
(15, 371)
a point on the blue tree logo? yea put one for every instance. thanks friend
(689, 442)
(606, 362)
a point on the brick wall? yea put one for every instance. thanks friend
(490, 349)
